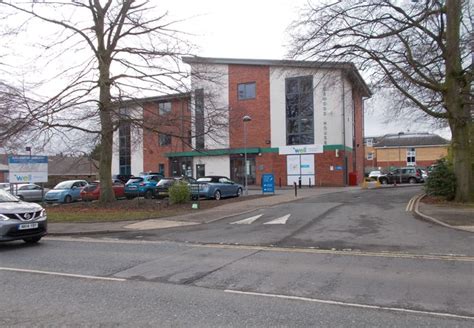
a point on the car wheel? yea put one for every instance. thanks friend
(148, 194)
(32, 240)
(384, 181)
(239, 192)
(217, 195)
(20, 197)
(68, 199)
(412, 180)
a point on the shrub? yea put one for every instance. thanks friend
(442, 181)
(179, 193)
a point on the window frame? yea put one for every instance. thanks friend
(162, 110)
(299, 110)
(245, 85)
(162, 137)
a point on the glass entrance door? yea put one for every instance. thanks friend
(237, 170)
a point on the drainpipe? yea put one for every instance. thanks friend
(344, 164)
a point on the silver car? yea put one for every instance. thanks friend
(20, 220)
(29, 192)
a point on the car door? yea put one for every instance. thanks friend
(35, 192)
(225, 186)
(24, 192)
(76, 190)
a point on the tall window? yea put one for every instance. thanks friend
(299, 111)
(164, 139)
(246, 91)
(411, 157)
(125, 157)
(164, 107)
(199, 112)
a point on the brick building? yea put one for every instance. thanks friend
(404, 149)
(305, 120)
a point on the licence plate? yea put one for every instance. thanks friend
(26, 226)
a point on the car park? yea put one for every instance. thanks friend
(162, 188)
(29, 192)
(405, 174)
(215, 187)
(92, 191)
(20, 220)
(65, 192)
(142, 186)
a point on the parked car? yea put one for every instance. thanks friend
(29, 192)
(20, 220)
(142, 186)
(92, 191)
(5, 186)
(164, 184)
(408, 174)
(373, 175)
(65, 192)
(122, 177)
(215, 187)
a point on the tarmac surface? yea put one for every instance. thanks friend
(456, 217)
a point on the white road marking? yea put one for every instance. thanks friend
(71, 275)
(280, 220)
(248, 220)
(357, 305)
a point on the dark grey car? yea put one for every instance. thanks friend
(20, 220)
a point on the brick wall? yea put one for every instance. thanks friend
(272, 163)
(258, 130)
(324, 175)
(3, 176)
(425, 156)
(177, 123)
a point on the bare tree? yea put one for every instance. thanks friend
(418, 48)
(119, 51)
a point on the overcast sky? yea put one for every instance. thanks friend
(258, 29)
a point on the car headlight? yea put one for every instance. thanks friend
(4, 217)
(43, 213)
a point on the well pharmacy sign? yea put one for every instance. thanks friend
(300, 150)
(28, 169)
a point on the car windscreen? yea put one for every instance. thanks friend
(64, 185)
(165, 182)
(134, 180)
(6, 197)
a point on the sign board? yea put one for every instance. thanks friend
(28, 169)
(268, 183)
(300, 150)
(300, 165)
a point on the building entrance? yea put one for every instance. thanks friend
(237, 169)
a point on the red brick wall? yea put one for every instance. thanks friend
(176, 123)
(258, 130)
(3, 176)
(324, 175)
(359, 135)
(272, 163)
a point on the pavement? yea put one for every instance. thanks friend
(455, 217)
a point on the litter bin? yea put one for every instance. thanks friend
(353, 179)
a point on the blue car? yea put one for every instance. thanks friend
(142, 186)
(215, 187)
(65, 192)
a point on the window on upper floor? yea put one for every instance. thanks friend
(369, 142)
(164, 139)
(164, 107)
(370, 156)
(246, 90)
(299, 111)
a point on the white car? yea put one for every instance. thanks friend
(20, 220)
(4, 186)
(375, 174)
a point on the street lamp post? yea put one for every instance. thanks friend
(245, 119)
(399, 158)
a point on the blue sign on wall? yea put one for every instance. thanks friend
(268, 183)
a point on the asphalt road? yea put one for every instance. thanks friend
(354, 259)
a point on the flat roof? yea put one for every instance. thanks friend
(349, 67)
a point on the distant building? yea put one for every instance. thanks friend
(404, 149)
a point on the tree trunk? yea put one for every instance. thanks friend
(458, 108)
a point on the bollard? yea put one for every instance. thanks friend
(280, 182)
(296, 189)
(299, 182)
(309, 185)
